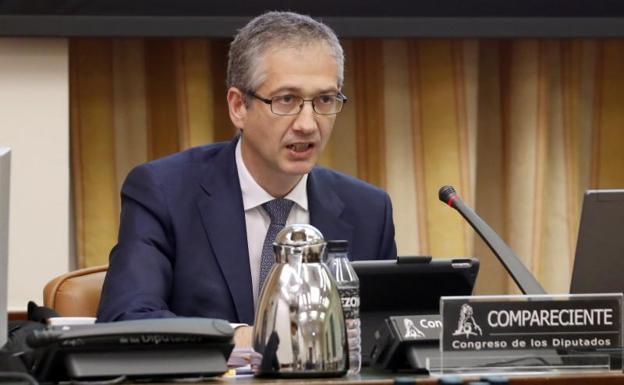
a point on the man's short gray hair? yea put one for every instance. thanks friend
(275, 30)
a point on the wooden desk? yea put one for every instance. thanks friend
(388, 379)
(18, 315)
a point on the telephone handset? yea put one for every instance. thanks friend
(154, 348)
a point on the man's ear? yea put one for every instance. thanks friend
(237, 107)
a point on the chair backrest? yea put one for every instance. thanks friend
(77, 293)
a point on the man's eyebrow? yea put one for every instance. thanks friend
(328, 91)
(298, 91)
(286, 89)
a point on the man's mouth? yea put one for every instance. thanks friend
(300, 147)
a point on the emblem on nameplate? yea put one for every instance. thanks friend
(411, 331)
(467, 325)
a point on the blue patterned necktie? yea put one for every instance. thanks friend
(278, 210)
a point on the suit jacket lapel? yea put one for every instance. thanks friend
(326, 208)
(223, 217)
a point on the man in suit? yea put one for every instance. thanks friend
(194, 226)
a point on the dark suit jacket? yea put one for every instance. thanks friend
(182, 247)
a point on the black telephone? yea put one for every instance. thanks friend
(143, 349)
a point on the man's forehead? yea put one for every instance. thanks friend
(276, 54)
(311, 68)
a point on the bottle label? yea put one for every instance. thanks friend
(350, 302)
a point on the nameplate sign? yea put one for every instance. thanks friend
(561, 323)
(417, 327)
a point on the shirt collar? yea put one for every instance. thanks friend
(254, 195)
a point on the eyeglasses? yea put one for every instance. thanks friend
(293, 104)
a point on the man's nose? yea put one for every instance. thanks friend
(306, 119)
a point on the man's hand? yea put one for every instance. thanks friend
(242, 336)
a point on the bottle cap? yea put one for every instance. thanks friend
(337, 246)
(404, 381)
(450, 380)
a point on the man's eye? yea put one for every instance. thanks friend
(326, 99)
(285, 99)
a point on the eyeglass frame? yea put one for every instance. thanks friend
(339, 95)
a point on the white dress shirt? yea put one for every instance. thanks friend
(257, 221)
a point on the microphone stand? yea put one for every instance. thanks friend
(514, 266)
(392, 348)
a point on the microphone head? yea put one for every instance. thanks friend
(445, 193)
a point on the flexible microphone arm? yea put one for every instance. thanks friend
(520, 274)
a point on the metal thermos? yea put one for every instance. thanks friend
(299, 329)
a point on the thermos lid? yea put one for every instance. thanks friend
(299, 235)
(300, 240)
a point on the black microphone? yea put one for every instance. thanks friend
(520, 274)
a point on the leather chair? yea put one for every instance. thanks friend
(77, 293)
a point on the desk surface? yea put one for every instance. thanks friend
(386, 379)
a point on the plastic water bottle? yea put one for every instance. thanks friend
(348, 286)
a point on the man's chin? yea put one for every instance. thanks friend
(299, 168)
